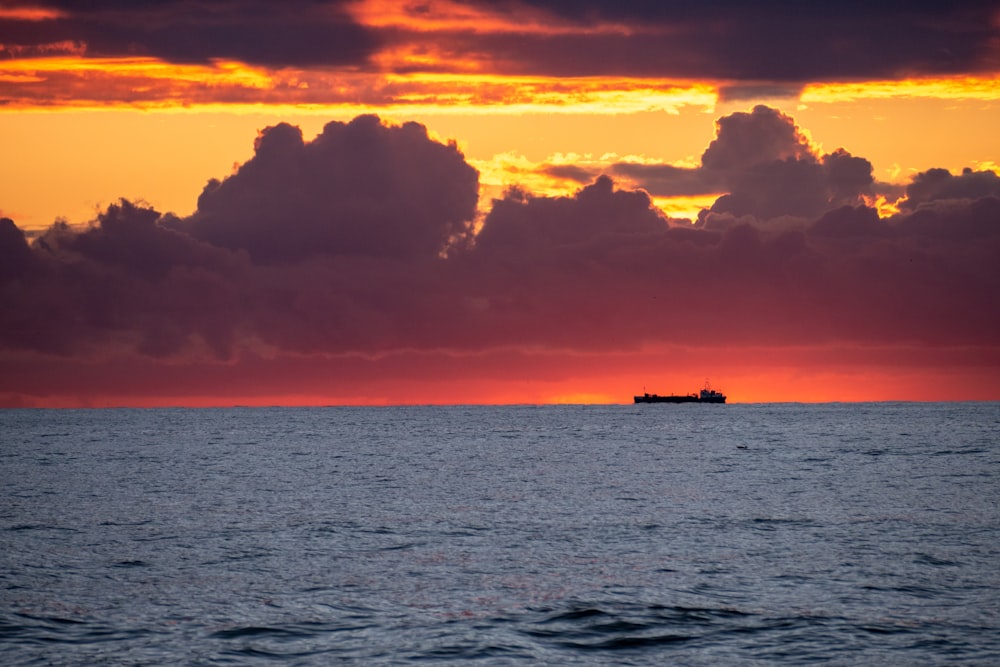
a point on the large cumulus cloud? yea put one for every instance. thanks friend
(769, 169)
(765, 165)
(359, 188)
(327, 245)
(361, 242)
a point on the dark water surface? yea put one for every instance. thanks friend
(591, 535)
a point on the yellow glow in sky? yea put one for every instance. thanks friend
(70, 163)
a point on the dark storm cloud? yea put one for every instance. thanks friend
(288, 33)
(334, 246)
(791, 41)
(758, 48)
(779, 41)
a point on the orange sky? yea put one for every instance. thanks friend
(154, 102)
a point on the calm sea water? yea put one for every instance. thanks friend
(590, 535)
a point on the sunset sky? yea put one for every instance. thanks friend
(312, 202)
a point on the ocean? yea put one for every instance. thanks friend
(743, 534)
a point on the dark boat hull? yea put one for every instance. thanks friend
(654, 398)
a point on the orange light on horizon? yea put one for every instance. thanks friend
(983, 87)
(747, 374)
(780, 387)
(30, 13)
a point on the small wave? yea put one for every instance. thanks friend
(887, 629)
(124, 523)
(26, 526)
(258, 652)
(619, 643)
(475, 651)
(58, 620)
(39, 526)
(633, 627)
(912, 590)
(769, 523)
(259, 631)
(403, 546)
(37, 630)
(575, 614)
(928, 559)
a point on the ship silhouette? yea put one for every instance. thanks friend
(706, 395)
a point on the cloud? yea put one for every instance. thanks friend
(771, 170)
(745, 140)
(333, 248)
(663, 180)
(290, 33)
(761, 43)
(595, 213)
(127, 281)
(939, 184)
(14, 250)
(850, 222)
(360, 188)
(360, 53)
(766, 166)
(956, 220)
(753, 49)
(572, 280)
(571, 172)
(742, 92)
(310, 246)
